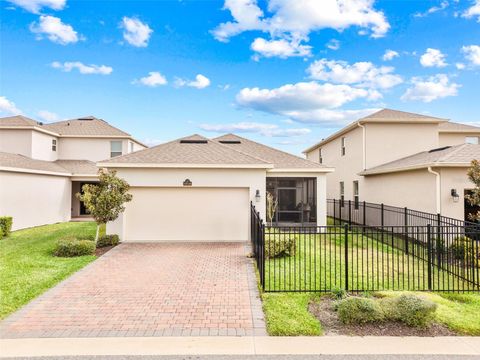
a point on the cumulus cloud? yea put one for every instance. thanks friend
(443, 5)
(473, 11)
(433, 58)
(281, 48)
(390, 55)
(333, 44)
(432, 88)
(82, 68)
(460, 66)
(333, 117)
(200, 82)
(293, 21)
(363, 74)
(153, 79)
(135, 32)
(269, 130)
(34, 6)
(472, 54)
(8, 107)
(47, 116)
(55, 30)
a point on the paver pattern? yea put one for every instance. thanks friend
(150, 289)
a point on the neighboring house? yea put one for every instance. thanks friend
(43, 166)
(401, 159)
(199, 189)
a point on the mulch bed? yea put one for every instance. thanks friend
(324, 312)
(100, 251)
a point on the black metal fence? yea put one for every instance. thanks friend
(365, 258)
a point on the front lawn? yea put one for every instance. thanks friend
(27, 264)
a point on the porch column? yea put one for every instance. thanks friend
(321, 200)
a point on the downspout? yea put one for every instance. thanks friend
(364, 145)
(437, 191)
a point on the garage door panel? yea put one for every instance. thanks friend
(187, 214)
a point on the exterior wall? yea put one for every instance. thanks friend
(33, 199)
(446, 139)
(16, 141)
(453, 178)
(87, 148)
(42, 146)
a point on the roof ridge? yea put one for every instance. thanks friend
(239, 151)
(456, 148)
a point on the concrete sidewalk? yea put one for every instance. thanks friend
(248, 345)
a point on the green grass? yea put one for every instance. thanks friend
(28, 267)
(288, 315)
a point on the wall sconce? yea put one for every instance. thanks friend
(257, 196)
(455, 195)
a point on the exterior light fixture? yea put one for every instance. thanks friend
(257, 196)
(455, 195)
(187, 182)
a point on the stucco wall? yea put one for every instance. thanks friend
(446, 139)
(42, 146)
(16, 141)
(453, 178)
(87, 148)
(34, 200)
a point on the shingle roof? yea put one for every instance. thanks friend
(84, 167)
(447, 156)
(390, 114)
(24, 162)
(457, 127)
(18, 120)
(191, 150)
(86, 126)
(278, 158)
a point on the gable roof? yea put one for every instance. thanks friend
(381, 116)
(453, 127)
(85, 126)
(278, 158)
(18, 120)
(78, 167)
(448, 156)
(191, 151)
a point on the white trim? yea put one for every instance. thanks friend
(29, 127)
(32, 171)
(184, 165)
(302, 170)
(412, 167)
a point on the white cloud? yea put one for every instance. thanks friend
(82, 68)
(473, 11)
(364, 74)
(432, 88)
(47, 116)
(153, 79)
(332, 117)
(293, 21)
(472, 54)
(8, 107)
(333, 44)
(269, 130)
(55, 30)
(460, 66)
(390, 55)
(281, 48)
(34, 6)
(433, 58)
(135, 32)
(200, 82)
(443, 5)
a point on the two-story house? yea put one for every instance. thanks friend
(401, 159)
(43, 166)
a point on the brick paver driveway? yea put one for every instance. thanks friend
(150, 289)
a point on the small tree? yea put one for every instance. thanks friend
(271, 207)
(105, 200)
(474, 197)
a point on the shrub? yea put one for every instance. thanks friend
(1, 233)
(358, 310)
(279, 246)
(410, 309)
(5, 225)
(339, 293)
(107, 240)
(465, 249)
(71, 246)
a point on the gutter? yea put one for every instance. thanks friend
(364, 145)
(437, 189)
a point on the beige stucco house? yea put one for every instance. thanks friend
(199, 189)
(42, 166)
(401, 159)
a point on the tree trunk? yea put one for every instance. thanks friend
(98, 231)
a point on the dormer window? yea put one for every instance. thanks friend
(54, 144)
(343, 146)
(115, 148)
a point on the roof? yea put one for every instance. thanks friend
(193, 151)
(18, 120)
(448, 156)
(381, 116)
(449, 126)
(77, 167)
(278, 158)
(85, 126)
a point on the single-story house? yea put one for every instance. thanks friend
(199, 189)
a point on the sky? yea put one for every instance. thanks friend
(286, 73)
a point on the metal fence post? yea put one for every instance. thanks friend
(346, 256)
(429, 254)
(334, 212)
(262, 254)
(349, 212)
(340, 211)
(406, 229)
(382, 219)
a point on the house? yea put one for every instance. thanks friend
(43, 166)
(401, 159)
(199, 189)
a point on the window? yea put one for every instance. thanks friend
(320, 159)
(343, 146)
(355, 195)
(115, 148)
(131, 147)
(471, 140)
(54, 144)
(342, 194)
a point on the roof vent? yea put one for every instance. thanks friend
(439, 149)
(86, 118)
(230, 142)
(186, 141)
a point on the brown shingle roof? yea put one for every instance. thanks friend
(187, 151)
(84, 167)
(457, 127)
(18, 120)
(457, 155)
(24, 162)
(86, 126)
(390, 114)
(278, 158)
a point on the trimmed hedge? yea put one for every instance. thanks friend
(71, 247)
(5, 226)
(359, 310)
(108, 240)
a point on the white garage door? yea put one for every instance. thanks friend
(187, 214)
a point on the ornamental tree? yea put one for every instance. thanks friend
(474, 197)
(272, 204)
(105, 200)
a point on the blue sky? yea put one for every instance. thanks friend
(285, 73)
